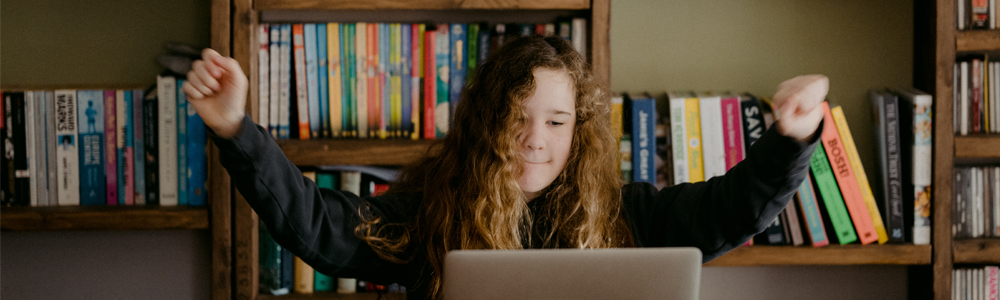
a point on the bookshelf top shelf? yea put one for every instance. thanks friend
(323, 152)
(832, 255)
(419, 4)
(102, 218)
(977, 147)
(977, 40)
(976, 251)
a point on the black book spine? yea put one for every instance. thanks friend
(892, 189)
(753, 120)
(774, 234)
(150, 138)
(7, 156)
(905, 115)
(22, 179)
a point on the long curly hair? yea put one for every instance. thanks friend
(467, 186)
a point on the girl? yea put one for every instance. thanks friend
(529, 163)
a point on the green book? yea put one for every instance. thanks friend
(270, 264)
(323, 283)
(473, 51)
(830, 192)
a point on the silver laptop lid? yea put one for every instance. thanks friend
(635, 273)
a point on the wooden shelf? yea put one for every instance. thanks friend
(325, 295)
(102, 218)
(354, 152)
(832, 255)
(419, 4)
(977, 147)
(978, 40)
(976, 251)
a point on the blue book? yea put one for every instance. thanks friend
(285, 47)
(275, 77)
(312, 79)
(384, 71)
(347, 77)
(484, 44)
(405, 64)
(324, 82)
(124, 149)
(197, 169)
(139, 149)
(811, 213)
(90, 112)
(643, 139)
(458, 65)
(182, 183)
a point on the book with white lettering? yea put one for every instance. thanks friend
(91, 135)
(67, 157)
(643, 111)
(167, 133)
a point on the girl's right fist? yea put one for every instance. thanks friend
(216, 87)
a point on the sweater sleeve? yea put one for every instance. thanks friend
(317, 225)
(724, 212)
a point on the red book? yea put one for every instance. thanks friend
(110, 146)
(540, 29)
(373, 88)
(301, 92)
(732, 130)
(845, 179)
(430, 84)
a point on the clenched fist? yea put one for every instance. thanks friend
(217, 89)
(798, 105)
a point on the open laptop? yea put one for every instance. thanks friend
(635, 273)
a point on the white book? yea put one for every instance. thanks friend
(579, 36)
(921, 104)
(361, 96)
(50, 148)
(263, 76)
(961, 14)
(30, 114)
(275, 80)
(954, 284)
(350, 181)
(38, 158)
(166, 89)
(713, 147)
(284, 80)
(995, 98)
(963, 123)
(66, 153)
(678, 136)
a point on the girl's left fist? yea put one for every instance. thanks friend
(797, 105)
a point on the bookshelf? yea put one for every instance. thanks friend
(57, 218)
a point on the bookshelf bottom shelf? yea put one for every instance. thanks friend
(328, 295)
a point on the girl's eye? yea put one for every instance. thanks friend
(554, 123)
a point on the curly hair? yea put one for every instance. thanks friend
(467, 186)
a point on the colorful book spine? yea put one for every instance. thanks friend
(361, 69)
(830, 193)
(840, 163)
(753, 121)
(336, 62)
(139, 151)
(285, 82)
(67, 156)
(678, 132)
(263, 75)
(458, 36)
(808, 205)
(126, 173)
(91, 132)
(442, 111)
(416, 78)
(885, 107)
(732, 131)
(312, 116)
(692, 115)
(472, 52)
(395, 79)
(644, 139)
(322, 71)
(859, 172)
(197, 160)
(301, 81)
(374, 95)
(274, 80)
(151, 138)
(323, 282)
(111, 147)
(350, 79)
(406, 80)
(270, 263)
(918, 106)
(713, 149)
(182, 146)
(384, 82)
(430, 83)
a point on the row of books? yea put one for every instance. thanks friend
(282, 273)
(689, 137)
(977, 102)
(102, 147)
(976, 14)
(376, 80)
(976, 209)
(981, 283)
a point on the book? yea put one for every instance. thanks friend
(578, 36)
(917, 108)
(285, 81)
(139, 148)
(732, 130)
(274, 79)
(111, 147)
(183, 187)
(835, 210)
(322, 71)
(663, 158)
(406, 82)
(805, 197)
(31, 109)
(442, 110)
(301, 79)
(50, 146)
(840, 164)
(417, 78)
(304, 274)
(197, 159)
(458, 66)
(166, 89)
(395, 80)
(472, 53)
(264, 75)
(361, 97)
(126, 173)
(350, 181)
(713, 148)
(885, 113)
(430, 82)
(270, 261)
(854, 159)
(67, 156)
(692, 116)
(643, 117)
(91, 135)
(151, 138)
(349, 78)
(313, 109)
(336, 76)
(21, 178)
(385, 82)
(7, 157)
(678, 132)
(794, 232)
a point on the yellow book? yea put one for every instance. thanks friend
(696, 171)
(616, 116)
(395, 81)
(852, 154)
(333, 50)
(304, 277)
(418, 82)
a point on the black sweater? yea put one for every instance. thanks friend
(317, 225)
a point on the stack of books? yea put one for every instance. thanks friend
(977, 102)
(975, 283)
(976, 208)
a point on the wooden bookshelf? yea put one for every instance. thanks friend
(977, 147)
(977, 251)
(977, 41)
(831, 255)
(419, 4)
(355, 152)
(102, 218)
(335, 296)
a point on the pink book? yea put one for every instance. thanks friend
(732, 130)
(992, 283)
(125, 144)
(110, 146)
(301, 93)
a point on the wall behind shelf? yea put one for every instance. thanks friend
(753, 46)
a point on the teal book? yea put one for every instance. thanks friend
(312, 81)
(442, 57)
(826, 183)
(322, 282)
(91, 131)
(270, 260)
(806, 198)
(324, 83)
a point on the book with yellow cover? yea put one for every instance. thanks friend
(692, 115)
(859, 171)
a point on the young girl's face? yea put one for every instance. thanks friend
(547, 138)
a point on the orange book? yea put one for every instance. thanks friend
(373, 87)
(301, 93)
(849, 188)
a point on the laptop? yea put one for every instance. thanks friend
(633, 273)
